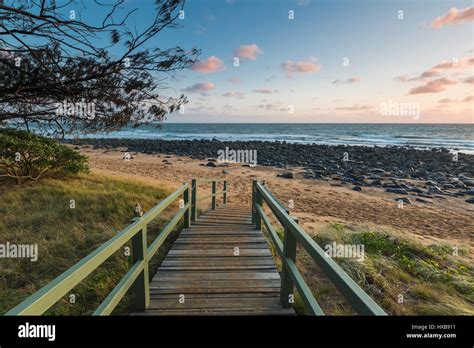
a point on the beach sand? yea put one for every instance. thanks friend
(317, 203)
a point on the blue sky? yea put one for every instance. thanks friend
(379, 46)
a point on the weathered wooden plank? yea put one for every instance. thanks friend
(184, 285)
(220, 252)
(160, 292)
(221, 262)
(223, 311)
(217, 246)
(162, 276)
(264, 294)
(219, 268)
(214, 303)
(202, 266)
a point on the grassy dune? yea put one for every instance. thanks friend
(404, 277)
(42, 214)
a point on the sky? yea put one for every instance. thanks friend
(343, 61)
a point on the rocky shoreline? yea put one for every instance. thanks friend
(427, 174)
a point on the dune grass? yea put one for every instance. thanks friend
(402, 276)
(42, 214)
(405, 277)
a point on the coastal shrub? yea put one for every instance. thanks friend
(26, 156)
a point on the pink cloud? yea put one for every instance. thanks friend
(301, 67)
(201, 87)
(356, 107)
(433, 86)
(347, 81)
(469, 80)
(454, 16)
(209, 65)
(233, 94)
(438, 69)
(249, 52)
(266, 91)
(448, 100)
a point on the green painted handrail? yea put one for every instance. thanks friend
(137, 276)
(213, 195)
(354, 294)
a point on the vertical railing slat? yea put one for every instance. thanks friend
(187, 213)
(193, 199)
(142, 286)
(213, 195)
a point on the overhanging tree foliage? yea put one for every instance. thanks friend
(80, 75)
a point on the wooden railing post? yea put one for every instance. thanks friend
(193, 199)
(187, 213)
(259, 202)
(213, 195)
(254, 211)
(224, 196)
(287, 286)
(142, 286)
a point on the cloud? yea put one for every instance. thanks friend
(347, 81)
(469, 80)
(355, 107)
(401, 78)
(465, 100)
(438, 69)
(301, 67)
(271, 106)
(209, 65)
(266, 91)
(202, 108)
(233, 94)
(249, 52)
(454, 16)
(446, 100)
(201, 87)
(433, 86)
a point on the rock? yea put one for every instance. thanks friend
(357, 188)
(210, 164)
(396, 190)
(286, 175)
(469, 192)
(470, 200)
(416, 190)
(404, 200)
(225, 171)
(421, 200)
(468, 182)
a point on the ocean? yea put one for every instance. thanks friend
(459, 137)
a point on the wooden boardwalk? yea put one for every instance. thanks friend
(219, 266)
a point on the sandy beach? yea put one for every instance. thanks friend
(317, 203)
